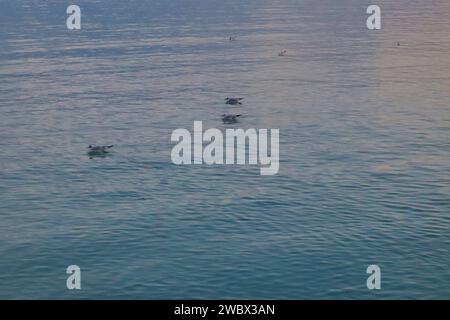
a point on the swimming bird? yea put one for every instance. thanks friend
(233, 101)
(98, 150)
(282, 53)
(232, 38)
(230, 118)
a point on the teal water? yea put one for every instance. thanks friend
(364, 133)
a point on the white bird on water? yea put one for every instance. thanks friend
(93, 149)
(230, 118)
(233, 101)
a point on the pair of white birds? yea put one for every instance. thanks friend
(231, 118)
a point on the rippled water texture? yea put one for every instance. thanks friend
(364, 175)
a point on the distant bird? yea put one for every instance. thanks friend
(230, 118)
(282, 53)
(232, 39)
(98, 150)
(398, 44)
(233, 101)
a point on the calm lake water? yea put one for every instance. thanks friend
(365, 149)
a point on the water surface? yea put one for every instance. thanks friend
(364, 175)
